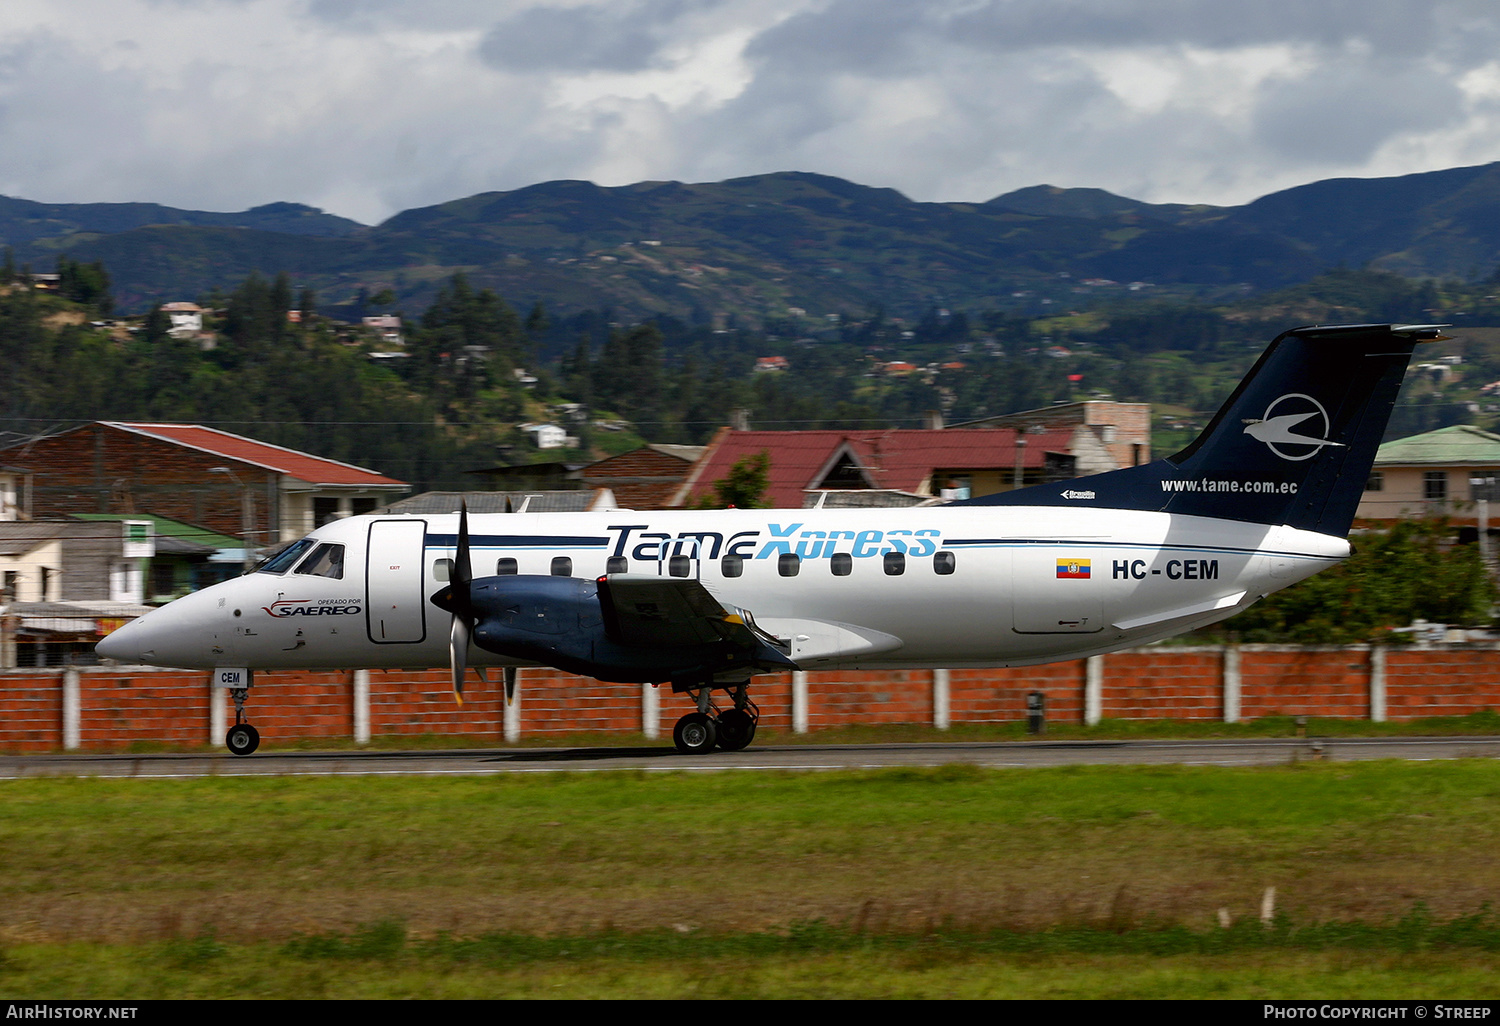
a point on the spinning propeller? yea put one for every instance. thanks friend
(458, 599)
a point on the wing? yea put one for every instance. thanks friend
(641, 610)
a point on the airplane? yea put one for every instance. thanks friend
(706, 600)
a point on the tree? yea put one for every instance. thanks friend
(744, 487)
(157, 327)
(1407, 573)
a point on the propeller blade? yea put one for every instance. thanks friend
(458, 656)
(462, 606)
(510, 684)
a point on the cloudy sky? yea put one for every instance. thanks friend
(368, 107)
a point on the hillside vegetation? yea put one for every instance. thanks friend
(762, 247)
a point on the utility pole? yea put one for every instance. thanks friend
(247, 514)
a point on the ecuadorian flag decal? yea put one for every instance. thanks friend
(1073, 569)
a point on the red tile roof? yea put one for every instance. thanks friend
(897, 459)
(300, 465)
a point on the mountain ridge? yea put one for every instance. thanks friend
(766, 246)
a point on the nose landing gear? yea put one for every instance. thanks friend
(242, 738)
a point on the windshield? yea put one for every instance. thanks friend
(282, 561)
(326, 561)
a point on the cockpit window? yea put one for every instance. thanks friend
(326, 561)
(283, 560)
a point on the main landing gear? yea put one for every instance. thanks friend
(242, 738)
(731, 730)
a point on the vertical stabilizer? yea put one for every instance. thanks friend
(1293, 445)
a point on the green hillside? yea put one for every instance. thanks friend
(762, 248)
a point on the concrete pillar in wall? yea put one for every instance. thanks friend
(218, 717)
(361, 707)
(72, 707)
(1377, 683)
(1232, 683)
(799, 701)
(650, 711)
(940, 700)
(1093, 690)
(511, 717)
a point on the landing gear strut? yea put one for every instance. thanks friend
(731, 730)
(242, 738)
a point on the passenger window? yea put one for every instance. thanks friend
(732, 566)
(943, 563)
(895, 563)
(562, 566)
(788, 563)
(841, 563)
(617, 565)
(679, 566)
(442, 569)
(506, 565)
(325, 561)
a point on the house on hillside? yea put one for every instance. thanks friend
(1439, 473)
(228, 484)
(186, 318)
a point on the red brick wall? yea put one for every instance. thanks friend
(1180, 684)
(1451, 682)
(122, 707)
(1307, 682)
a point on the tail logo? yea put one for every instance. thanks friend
(1285, 423)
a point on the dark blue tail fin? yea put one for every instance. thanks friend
(1293, 445)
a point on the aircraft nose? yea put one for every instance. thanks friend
(125, 644)
(178, 634)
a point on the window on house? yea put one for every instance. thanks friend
(1435, 485)
(1376, 482)
(324, 510)
(562, 566)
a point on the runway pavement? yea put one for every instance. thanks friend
(663, 758)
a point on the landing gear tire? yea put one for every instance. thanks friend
(695, 733)
(736, 730)
(242, 739)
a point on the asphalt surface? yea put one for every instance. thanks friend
(663, 758)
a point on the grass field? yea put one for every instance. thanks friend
(959, 881)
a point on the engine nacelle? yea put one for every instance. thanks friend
(578, 625)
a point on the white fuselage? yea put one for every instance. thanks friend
(1022, 584)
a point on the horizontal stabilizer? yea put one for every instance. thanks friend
(1196, 609)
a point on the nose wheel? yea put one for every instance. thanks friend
(242, 738)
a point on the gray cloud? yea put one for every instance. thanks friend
(367, 106)
(616, 37)
(1344, 113)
